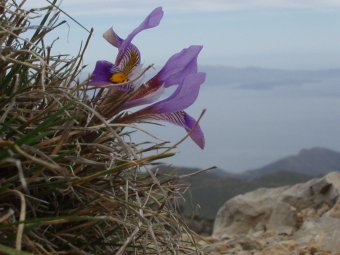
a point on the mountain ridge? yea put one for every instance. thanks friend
(314, 162)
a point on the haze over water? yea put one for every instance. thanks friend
(248, 128)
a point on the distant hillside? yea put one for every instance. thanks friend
(314, 162)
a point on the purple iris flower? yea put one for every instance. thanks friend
(180, 70)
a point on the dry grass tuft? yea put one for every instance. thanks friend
(71, 182)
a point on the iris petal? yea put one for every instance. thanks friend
(171, 108)
(182, 119)
(174, 71)
(128, 55)
(152, 20)
(179, 65)
(196, 134)
(184, 96)
(102, 73)
(130, 59)
(113, 38)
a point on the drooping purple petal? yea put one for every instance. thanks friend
(184, 96)
(182, 119)
(152, 20)
(196, 134)
(113, 38)
(102, 72)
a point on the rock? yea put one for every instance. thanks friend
(325, 232)
(284, 248)
(335, 212)
(282, 210)
(283, 218)
(244, 213)
(249, 244)
(299, 219)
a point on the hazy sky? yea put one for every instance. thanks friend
(268, 33)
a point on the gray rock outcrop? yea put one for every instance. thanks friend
(307, 213)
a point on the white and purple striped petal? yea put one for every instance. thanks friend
(184, 120)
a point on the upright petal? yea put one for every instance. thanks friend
(113, 38)
(130, 59)
(152, 20)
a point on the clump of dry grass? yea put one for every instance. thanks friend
(70, 182)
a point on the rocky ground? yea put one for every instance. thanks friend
(292, 220)
(269, 243)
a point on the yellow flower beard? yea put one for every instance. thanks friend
(119, 77)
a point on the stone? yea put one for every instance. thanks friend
(299, 219)
(323, 232)
(244, 213)
(277, 209)
(283, 219)
(284, 248)
(335, 211)
(330, 227)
